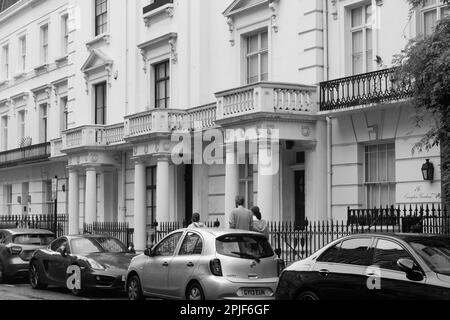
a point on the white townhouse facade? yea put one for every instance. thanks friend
(113, 81)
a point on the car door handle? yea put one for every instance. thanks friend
(190, 264)
(165, 264)
(324, 272)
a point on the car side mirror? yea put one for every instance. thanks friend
(63, 251)
(148, 252)
(410, 268)
(131, 248)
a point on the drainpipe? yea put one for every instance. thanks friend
(329, 124)
(126, 56)
(123, 202)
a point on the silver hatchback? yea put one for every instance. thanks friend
(206, 264)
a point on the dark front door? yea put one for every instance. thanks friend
(188, 192)
(300, 214)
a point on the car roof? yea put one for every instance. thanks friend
(407, 237)
(27, 231)
(218, 232)
(87, 236)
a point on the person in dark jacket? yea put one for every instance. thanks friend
(259, 225)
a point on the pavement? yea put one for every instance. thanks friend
(21, 291)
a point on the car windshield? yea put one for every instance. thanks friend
(33, 239)
(244, 246)
(96, 245)
(435, 252)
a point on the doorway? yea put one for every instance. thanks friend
(300, 197)
(188, 169)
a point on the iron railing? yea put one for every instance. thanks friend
(118, 230)
(44, 221)
(156, 4)
(38, 152)
(363, 89)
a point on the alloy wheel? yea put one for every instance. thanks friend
(34, 277)
(134, 289)
(195, 293)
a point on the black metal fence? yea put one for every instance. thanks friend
(46, 222)
(362, 89)
(119, 230)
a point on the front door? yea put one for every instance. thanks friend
(300, 212)
(188, 193)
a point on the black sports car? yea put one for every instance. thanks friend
(81, 263)
(372, 266)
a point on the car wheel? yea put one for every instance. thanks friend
(308, 296)
(77, 292)
(195, 292)
(35, 279)
(134, 289)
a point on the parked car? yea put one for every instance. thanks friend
(206, 264)
(372, 266)
(16, 248)
(102, 260)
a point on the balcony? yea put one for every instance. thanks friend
(156, 4)
(267, 97)
(93, 136)
(26, 155)
(164, 121)
(363, 90)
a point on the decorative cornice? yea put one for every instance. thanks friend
(105, 37)
(334, 12)
(173, 49)
(230, 22)
(274, 8)
(42, 68)
(168, 9)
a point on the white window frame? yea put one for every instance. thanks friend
(23, 53)
(4, 132)
(365, 25)
(248, 180)
(43, 122)
(257, 53)
(21, 123)
(5, 61)
(44, 43)
(65, 34)
(369, 184)
(95, 19)
(7, 198)
(64, 113)
(437, 7)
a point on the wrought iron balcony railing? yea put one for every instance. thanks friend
(35, 153)
(363, 89)
(156, 4)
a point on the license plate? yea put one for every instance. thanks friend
(254, 292)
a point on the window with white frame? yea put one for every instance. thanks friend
(100, 103)
(65, 34)
(380, 182)
(151, 194)
(4, 133)
(21, 126)
(257, 57)
(22, 53)
(43, 123)
(64, 114)
(44, 44)
(431, 13)
(5, 61)
(361, 39)
(162, 85)
(246, 184)
(101, 17)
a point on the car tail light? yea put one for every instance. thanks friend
(15, 250)
(281, 266)
(216, 267)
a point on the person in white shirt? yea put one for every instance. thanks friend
(196, 221)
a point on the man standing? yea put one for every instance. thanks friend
(241, 218)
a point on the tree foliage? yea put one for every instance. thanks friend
(425, 64)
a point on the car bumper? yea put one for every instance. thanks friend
(219, 288)
(104, 280)
(16, 267)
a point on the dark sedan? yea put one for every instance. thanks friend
(81, 263)
(372, 266)
(16, 248)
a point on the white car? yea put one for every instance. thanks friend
(206, 264)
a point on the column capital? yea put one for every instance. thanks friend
(163, 157)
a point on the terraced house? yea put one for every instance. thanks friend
(92, 92)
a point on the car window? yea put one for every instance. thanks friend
(2, 237)
(33, 239)
(112, 245)
(85, 246)
(435, 252)
(387, 253)
(354, 251)
(192, 244)
(58, 243)
(246, 246)
(168, 245)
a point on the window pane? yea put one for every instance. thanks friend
(369, 15)
(264, 66)
(357, 17)
(192, 245)
(356, 252)
(253, 68)
(387, 254)
(357, 47)
(445, 12)
(429, 21)
(369, 50)
(252, 44)
(264, 40)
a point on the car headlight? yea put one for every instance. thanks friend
(94, 264)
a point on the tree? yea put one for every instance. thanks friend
(425, 65)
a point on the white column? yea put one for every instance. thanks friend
(91, 196)
(231, 182)
(320, 171)
(140, 214)
(74, 202)
(266, 160)
(162, 190)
